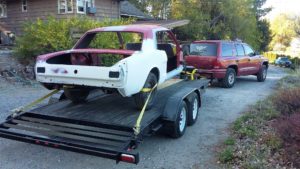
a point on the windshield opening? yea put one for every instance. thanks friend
(111, 40)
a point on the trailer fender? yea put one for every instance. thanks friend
(173, 103)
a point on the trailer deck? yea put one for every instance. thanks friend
(103, 126)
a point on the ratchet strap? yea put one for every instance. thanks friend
(191, 74)
(16, 111)
(137, 127)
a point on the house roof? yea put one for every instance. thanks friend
(128, 9)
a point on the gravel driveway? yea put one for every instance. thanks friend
(196, 149)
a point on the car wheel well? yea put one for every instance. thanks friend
(234, 67)
(156, 72)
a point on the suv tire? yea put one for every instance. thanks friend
(229, 79)
(262, 74)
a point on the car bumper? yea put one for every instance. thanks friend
(95, 76)
(213, 73)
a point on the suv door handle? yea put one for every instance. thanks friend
(237, 61)
(249, 60)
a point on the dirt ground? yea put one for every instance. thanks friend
(196, 149)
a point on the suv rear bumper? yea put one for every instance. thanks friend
(213, 73)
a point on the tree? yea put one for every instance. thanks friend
(155, 8)
(283, 31)
(297, 26)
(214, 19)
(265, 34)
(263, 25)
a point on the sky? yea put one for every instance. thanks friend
(283, 6)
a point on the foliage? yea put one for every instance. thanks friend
(288, 128)
(155, 8)
(287, 101)
(229, 141)
(265, 37)
(271, 56)
(215, 19)
(44, 36)
(226, 155)
(283, 32)
(276, 122)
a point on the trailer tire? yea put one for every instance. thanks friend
(177, 128)
(76, 95)
(141, 97)
(193, 109)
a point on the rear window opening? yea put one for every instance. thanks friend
(203, 49)
(87, 59)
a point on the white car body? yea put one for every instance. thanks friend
(133, 70)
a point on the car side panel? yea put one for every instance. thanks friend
(255, 62)
(139, 67)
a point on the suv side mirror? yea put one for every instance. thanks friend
(256, 53)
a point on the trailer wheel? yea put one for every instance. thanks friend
(194, 106)
(76, 95)
(141, 97)
(177, 128)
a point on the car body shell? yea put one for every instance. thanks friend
(133, 70)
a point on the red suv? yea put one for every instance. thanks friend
(224, 60)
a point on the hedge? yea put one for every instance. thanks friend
(50, 35)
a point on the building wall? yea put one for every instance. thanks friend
(44, 8)
(107, 9)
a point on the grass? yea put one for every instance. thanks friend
(255, 141)
(229, 141)
(226, 155)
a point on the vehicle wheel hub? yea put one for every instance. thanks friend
(195, 109)
(231, 78)
(182, 119)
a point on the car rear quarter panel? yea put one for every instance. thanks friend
(139, 66)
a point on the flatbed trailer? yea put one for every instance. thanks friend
(104, 125)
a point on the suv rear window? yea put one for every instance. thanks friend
(203, 49)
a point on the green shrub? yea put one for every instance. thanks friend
(44, 36)
(229, 141)
(226, 155)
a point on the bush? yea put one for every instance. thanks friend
(45, 36)
(287, 101)
(289, 130)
